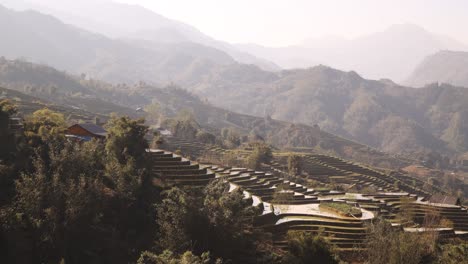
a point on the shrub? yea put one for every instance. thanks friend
(305, 248)
(294, 164)
(343, 208)
(206, 137)
(261, 154)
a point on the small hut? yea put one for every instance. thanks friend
(86, 132)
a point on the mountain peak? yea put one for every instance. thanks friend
(444, 66)
(132, 21)
(406, 28)
(329, 71)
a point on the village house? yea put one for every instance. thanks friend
(86, 132)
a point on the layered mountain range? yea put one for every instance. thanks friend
(34, 86)
(392, 53)
(132, 23)
(379, 113)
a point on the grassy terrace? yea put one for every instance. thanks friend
(344, 208)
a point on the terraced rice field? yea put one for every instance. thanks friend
(292, 206)
(173, 169)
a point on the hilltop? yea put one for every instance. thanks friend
(52, 86)
(380, 113)
(133, 23)
(44, 39)
(391, 53)
(443, 67)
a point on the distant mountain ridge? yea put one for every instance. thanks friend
(381, 113)
(45, 39)
(444, 67)
(35, 86)
(127, 21)
(392, 53)
(50, 85)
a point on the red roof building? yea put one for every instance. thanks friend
(86, 131)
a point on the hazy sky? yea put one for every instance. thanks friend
(284, 22)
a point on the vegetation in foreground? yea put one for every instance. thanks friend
(95, 202)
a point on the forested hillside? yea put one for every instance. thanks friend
(57, 87)
(381, 113)
(79, 94)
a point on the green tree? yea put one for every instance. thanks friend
(229, 222)
(306, 248)
(294, 164)
(183, 127)
(212, 219)
(261, 154)
(60, 203)
(45, 123)
(387, 245)
(231, 137)
(126, 139)
(174, 216)
(206, 137)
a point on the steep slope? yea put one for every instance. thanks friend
(378, 113)
(83, 99)
(444, 66)
(55, 87)
(371, 112)
(122, 20)
(392, 53)
(281, 134)
(27, 104)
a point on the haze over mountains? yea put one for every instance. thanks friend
(392, 53)
(34, 87)
(131, 22)
(381, 113)
(45, 39)
(445, 66)
(128, 137)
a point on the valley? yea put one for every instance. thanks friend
(129, 136)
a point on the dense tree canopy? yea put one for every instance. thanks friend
(126, 139)
(306, 248)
